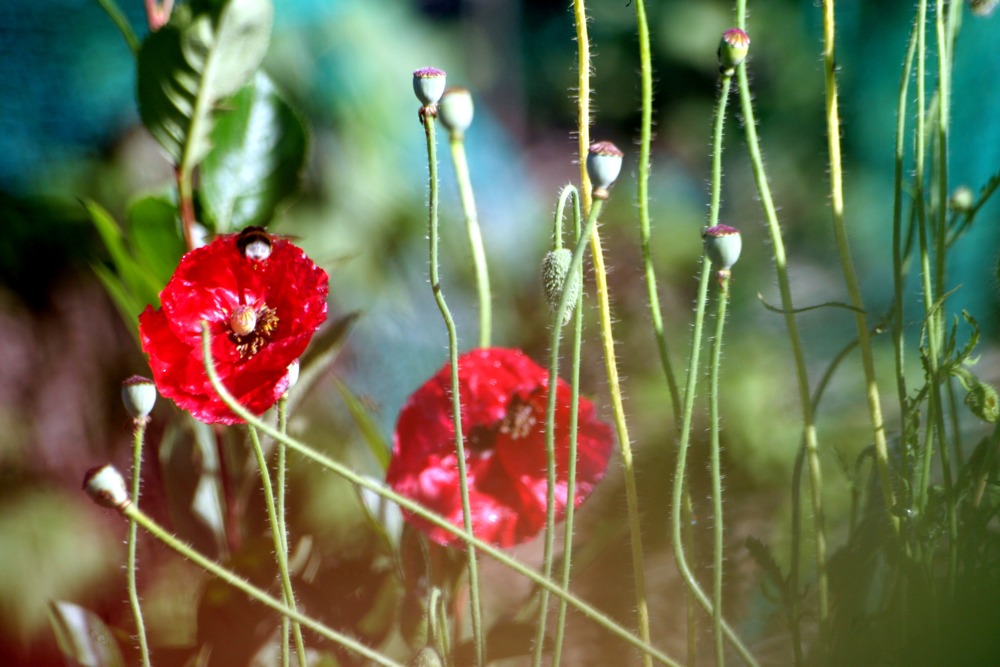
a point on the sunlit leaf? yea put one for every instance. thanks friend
(154, 235)
(258, 151)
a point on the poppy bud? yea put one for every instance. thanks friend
(733, 50)
(982, 399)
(604, 163)
(455, 111)
(428, 85)
(983, 7)
(139, 396)
(555, 270)
(106, 486)
(427, 657)
(962, 199)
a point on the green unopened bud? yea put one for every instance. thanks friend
(455, 111)
(982, 399)
(139, 396)
(106, 487)
(962, 199)
(722, 245)
(556, 279)
(733, 50)
(604, 163)
(428, 85)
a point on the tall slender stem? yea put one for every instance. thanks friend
(279, 543)
(456, 402)
(282, 466)
(457, 143)
(138, 433)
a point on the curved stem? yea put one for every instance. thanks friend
(456, 402)
(417, 509)
(134, 514)
(279, 543)
(138, 433)
(475, 238)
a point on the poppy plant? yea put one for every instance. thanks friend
(262, 299)
(504, 396)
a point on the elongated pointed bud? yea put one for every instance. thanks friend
(733, 50)
(428, 85)
(556, 279)
(604, 163)
(106, 487)
(455, 111)
(138, 396)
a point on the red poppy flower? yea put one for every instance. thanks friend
(262, 298)
(504, 396)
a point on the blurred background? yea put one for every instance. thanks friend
(69, 130)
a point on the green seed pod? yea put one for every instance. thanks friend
(428, 85)
(733, 50)
(139, 396)
(982, 399)
(555, 270)
(604, 163)
(455, 111)
(723, 245)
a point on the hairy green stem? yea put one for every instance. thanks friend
(138, 434)
(716, 467)
(134, 514)
(282, 466)
(457, 144)
(280, 549)
(419, 510)
(456, 402)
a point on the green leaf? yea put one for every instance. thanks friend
(369, 429)
(137, 284)
(155, 237)
(258, 151)
(188, 66)
(82, 637)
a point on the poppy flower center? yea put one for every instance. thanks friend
(518, 422)
(251, 328)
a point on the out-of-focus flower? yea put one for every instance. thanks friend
(504, 396)
(262, 309)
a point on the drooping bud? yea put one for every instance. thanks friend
(983, 7)
(733, 50)
(983, 401)
(604, 163)
(455, 111)
(139, 396)
(556, 279)
(962, 199)
(106, 487)
(428, 85)
(722, 245)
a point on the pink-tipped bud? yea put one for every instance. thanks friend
(604, 163)
(106, 487)
(139, 396)
(733, 50)
(428, 85)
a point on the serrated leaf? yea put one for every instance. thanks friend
(188, 66)
(153, 233)
(82, 637)
(258, 151)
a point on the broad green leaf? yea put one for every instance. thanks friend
(154, 234)
(258, 151)
(82, 637)
(187, 67)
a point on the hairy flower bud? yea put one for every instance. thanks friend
(555, 279)
(604, 163)
(733, 50)
(455, 111)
